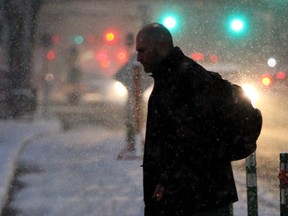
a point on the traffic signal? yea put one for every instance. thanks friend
(78, 39)
(110, 37)
(281, 75)
(50, 55)
(266, 80)
(170, 21)
(237, 25)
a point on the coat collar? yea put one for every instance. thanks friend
(166, 66)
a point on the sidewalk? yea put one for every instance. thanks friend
(80, 182)
(14, 135)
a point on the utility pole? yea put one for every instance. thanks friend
(47, 76)
(134, 112)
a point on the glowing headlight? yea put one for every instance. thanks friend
(250, 92)
(120, 89)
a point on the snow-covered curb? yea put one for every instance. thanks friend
(15, 135)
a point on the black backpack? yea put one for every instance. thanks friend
(239, 122)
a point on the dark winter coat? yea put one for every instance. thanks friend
(182, 151)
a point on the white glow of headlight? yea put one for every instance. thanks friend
(250, 92)
(120, 89)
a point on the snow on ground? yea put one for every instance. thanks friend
(14, 134)
(80, 175)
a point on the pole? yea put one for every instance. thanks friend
(137, 110)
(283, 178)
(46, 85)
(251, 182)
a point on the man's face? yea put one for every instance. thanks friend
(147, 53)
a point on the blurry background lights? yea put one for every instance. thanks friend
(250, 92)
(121, 55)
(101, 55)
(78, 39)
(105, 63)
(49, 77)
(169, 22)
(109, 36)
(271, 62)
(214, 58)
(50, 55)
(120, 89)
(281, 75)
(197, 56)
(266, 80)
(237, 25)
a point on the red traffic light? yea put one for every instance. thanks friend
(50, 55)
(281, 75)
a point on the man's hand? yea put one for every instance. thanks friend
(159, 192)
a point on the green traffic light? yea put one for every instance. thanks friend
(237, 25)
(78, 39)
(169, 22)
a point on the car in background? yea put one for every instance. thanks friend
(97, 99)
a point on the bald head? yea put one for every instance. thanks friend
(156, 33)
(153, 43)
